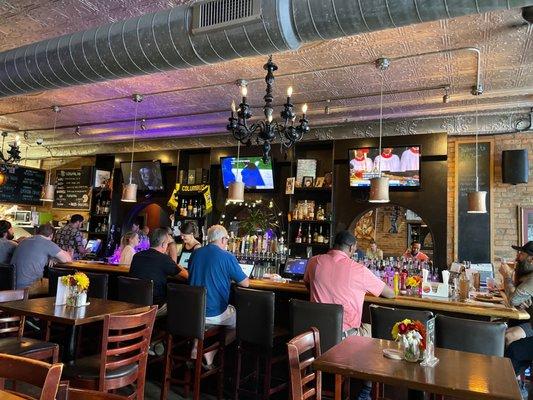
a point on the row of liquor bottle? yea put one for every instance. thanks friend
(192, 208)
(312, 234)
(100, 227)
(306, 211)
(264, 246)
(102, 207)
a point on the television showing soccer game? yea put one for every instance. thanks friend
(254, 172)
(146, 174)
(400, 164)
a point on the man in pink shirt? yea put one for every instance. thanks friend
(336, 279)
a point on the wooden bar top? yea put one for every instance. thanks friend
(458, 374)
(445, 305)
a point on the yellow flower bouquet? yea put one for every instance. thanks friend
(77, 285)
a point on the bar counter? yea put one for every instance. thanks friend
(472, 308)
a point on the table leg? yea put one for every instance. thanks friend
(338, 387)
(70, 345)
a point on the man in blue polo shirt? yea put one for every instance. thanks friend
(213, 267)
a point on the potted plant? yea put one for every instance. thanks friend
(77, 286)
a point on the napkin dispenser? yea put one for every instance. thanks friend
(436, 289)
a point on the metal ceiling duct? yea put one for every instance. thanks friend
(210, 32)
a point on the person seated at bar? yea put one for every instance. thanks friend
(144, 242)
(154, 264)
(129, 241)
(189, 242)
(7, 245)
(519, 290)
(70, 237)
(172, 248)
(213, 267)
(32, 255)
(414, 253)
(373, 252)
(336, 278)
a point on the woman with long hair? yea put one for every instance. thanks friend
(189, 243)
(129, 241)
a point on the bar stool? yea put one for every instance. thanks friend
(8, 279)
(256, 336)
(53, 274)
(135, 290)
(185, 325)
(98, 285)
(382, 320)
(302, 377)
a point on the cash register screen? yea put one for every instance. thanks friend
(93, 245)
(296, 266)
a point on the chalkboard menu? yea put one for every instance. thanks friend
(72, 189)
(22, 186)
(473, 230)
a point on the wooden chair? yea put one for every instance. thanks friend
(12, 330)
(66, 393)
(37, 373)
(123, 357)
(305, 383)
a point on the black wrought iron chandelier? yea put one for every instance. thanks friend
(267, 130)
(12, 155)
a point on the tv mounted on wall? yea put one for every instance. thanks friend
(146, 174)
(399, 163)
(254, 172)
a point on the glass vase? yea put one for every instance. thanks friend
(75, 298)
(411, 350)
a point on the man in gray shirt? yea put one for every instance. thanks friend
(32, 255)
(7, 245)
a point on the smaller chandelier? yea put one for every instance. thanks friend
(13, 154)
(267, 131)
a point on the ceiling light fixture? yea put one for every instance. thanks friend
(379, 185)
(267, 130)
(77, 131)
(236, 188)
(477, 201)
(327, 109)
(143, 124)
(47, 192)
(446, 97)
(13, 153)
(129, 191)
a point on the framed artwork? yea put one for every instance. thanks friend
(319, 182)
(525, 224)
(328, 179)
(307, 182)
(289, 185)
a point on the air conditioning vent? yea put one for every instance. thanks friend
(221, 14)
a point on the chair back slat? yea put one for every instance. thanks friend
(12, 325)
(125, 342)
(305, 383)
(37, 373)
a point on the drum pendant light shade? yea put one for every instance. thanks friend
(379, 190)
(129, 193)
(47, 193)
(236, 192)
(477, 202)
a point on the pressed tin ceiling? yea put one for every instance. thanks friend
(196, 100)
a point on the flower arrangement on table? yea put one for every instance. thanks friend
(411, 335)
(77, 286)
(414, 282)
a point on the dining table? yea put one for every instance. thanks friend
(458, 374)
(7, 395)
(45, 309)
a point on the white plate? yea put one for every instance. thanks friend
(393, 354)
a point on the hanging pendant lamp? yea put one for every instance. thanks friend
(129, 190)
(379, 186)
(48, 190)
(477, 201)
(236, 188)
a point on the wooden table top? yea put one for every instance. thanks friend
(45, 309)
(4, 395)
(445, 305)
(95, 266)
(458, 374)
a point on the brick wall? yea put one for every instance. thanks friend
(506, 197)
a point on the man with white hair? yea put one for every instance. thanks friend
(213, 267)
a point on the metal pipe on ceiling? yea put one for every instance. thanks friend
(183, 37)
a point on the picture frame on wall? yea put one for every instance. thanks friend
(319, 182)
(328, 180)
(289, 185)
(307, 182)
(525, 224)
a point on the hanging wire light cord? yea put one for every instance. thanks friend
(50, 147)
(381, 118)
(133, 144)
(238, 158)
(477, 132)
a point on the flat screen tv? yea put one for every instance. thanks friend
(254, 172)
(400, 164)
(146, 174)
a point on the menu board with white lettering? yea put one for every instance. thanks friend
(20, 185)
(72, 189)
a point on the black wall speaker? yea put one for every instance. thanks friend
(515, 166)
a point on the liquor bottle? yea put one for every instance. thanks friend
(195, 209)
(320, 214)
(299, 235)
(396, 283)
(189, 209)
(183, 210)
(97, 209)
(326, 236)
(311, 212)
(320, 237)
(305, 210)
(309, 235)
(315, 236)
